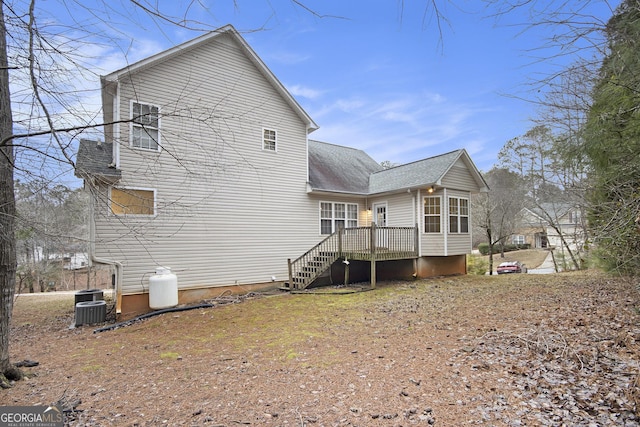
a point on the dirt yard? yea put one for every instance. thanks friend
(514, 350)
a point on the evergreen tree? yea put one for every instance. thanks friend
(612, 142)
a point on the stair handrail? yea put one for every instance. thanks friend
(347, 242)
(331, 244)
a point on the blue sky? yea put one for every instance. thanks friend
(379, 75)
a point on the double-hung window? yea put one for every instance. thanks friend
(145, 126)
(458, 215)
(432, 214)
(269, 140)
(518, 239)
(335, 216)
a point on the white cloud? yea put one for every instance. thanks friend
(286, 58)
(402, 127)
(305, 92)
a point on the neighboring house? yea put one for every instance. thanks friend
(207, 168)
(75, 260)
(543, 226)
(69, 260)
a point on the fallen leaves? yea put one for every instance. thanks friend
(501, 351)
(579, 366)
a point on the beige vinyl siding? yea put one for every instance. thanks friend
(227, 212)
(458, 243)
(459, 177)
(399, 209)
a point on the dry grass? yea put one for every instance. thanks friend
(442, 349)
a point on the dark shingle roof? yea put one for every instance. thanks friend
(95, 158)
(420, 173)
(340, 169)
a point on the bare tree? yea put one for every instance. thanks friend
(553, 186)
(496, 213)
(7, 214)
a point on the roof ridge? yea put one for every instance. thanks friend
(422, 160)
(336, 145)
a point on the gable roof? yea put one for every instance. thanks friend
(420, 173)
(205, 38)
(95, 158)
(549, 211)
(336, 168)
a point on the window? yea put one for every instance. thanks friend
(335, 216)
(574, 217)
(518, 239)
(458, 215)
(145, 126)
(130, 201)
(432, 214)
(269, 141)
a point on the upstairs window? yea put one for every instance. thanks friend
(145, 126)
(458, 215)
(432, 212)
(132, 201)
(269, 140)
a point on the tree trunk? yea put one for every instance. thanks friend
(7, 209)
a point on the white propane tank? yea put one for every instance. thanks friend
(163, 289)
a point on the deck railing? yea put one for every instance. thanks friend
(360, 243)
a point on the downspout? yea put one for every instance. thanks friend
(98, 260)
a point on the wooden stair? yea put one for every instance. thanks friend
(358, 243)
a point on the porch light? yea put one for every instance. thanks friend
(430, 189)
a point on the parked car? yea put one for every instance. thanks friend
(511, 267)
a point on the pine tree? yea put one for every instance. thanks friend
(612, 142)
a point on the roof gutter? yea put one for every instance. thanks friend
(435, 185)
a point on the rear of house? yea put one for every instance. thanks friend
(206, 168)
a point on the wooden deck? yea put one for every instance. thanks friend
(361, 243)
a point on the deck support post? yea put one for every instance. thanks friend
(374, 243)
(291, 284)
(346, 272)
(373, 273)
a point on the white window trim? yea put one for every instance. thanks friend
(518, 237)
(333, 217)
(458, 216)
(262, 140)
(132, 125)
(155, 202)
(424, 214)
(386, 211)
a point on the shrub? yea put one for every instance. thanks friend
(484, 248)
(477, 265)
